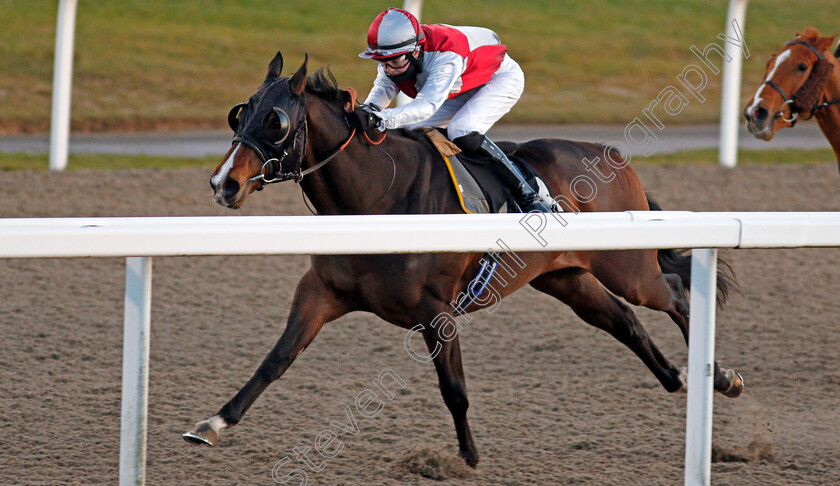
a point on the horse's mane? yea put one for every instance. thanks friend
(322, 84)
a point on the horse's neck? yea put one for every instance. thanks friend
(829, 118)
(362, 178)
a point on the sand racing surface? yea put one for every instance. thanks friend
(553, 400)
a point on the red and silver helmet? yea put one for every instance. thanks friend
(393, 32)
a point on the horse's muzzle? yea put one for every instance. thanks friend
(228, 193)
(759, 122)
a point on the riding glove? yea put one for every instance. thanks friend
(363, 118)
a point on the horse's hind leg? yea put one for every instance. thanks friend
(726, 381)
(581, 291)
(665, 292)
(453, 387)
(314, 305)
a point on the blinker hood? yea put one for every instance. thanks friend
(271, 120)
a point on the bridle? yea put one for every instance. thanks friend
(272, 168)
(793, 108)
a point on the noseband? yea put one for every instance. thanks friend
(274, 166)
(272, 169)
(811, 89)
(271, 166)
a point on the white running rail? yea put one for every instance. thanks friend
(139, 239)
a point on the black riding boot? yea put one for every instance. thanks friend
(527, 199)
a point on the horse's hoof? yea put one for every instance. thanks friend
(736, 385)
(202, 434)
(470, 457)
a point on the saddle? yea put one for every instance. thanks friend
(479, 180)
(479, 183)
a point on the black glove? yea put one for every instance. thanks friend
(363, 119)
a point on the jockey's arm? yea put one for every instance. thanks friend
(443, 72)
(383, 91)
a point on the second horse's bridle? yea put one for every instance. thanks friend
(809, 83)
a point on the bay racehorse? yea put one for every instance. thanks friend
(801, 81)
(294, 128)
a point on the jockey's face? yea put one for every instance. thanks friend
(396, 65)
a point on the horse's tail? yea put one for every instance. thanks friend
(679, 262)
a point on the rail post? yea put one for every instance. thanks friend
(135, 374)
(731, 87)
(701, 365)
(62, 83)
(414, 7)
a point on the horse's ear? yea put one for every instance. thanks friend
(275, 67)
(299, 79)
(824, 43)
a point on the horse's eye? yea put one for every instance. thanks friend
(276, 126)
(802, 67)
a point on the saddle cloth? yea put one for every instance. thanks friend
(479, 181)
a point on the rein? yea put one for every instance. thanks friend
(810, 91)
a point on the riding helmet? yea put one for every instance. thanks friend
(392, 33)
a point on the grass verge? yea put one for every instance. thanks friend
(141, 65)
(40, 162)
(770, 156)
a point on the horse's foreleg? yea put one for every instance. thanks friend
(314, 305)
(453, 387)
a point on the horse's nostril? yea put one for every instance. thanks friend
(230, 188)
(760, 113)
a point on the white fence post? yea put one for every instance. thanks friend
(62, 83)
(135, 374)
(730, 102)
(701, 363)
(414, 7)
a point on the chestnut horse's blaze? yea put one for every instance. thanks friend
(801, 80)
(294, 127)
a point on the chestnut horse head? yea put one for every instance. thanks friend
(269, 142)
(795, 82)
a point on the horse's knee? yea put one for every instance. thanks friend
(455, 396)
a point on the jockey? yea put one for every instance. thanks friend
(461, 78)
